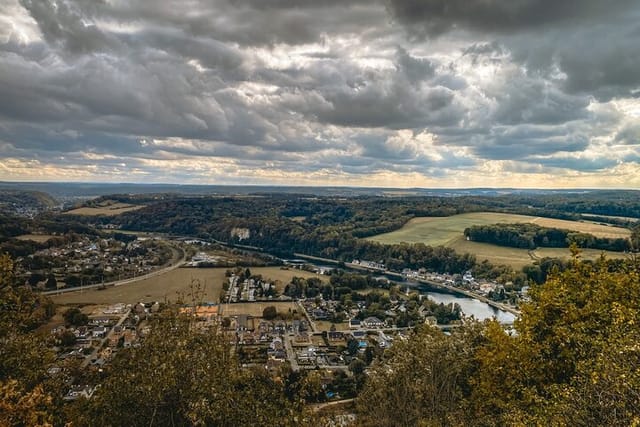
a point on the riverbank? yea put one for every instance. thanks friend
(438, 286)
(469, 294)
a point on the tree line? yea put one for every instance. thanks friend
(573, 361)
(531, 236)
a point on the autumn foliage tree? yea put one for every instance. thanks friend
(574, 360)
(26, 396)
(183, 375)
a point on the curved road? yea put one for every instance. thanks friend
(128, 281)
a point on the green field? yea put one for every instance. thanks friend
(517, 258)
(448, 231)
(40, 238)
(171, 284)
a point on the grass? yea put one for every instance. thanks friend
(108, 209)
(171, 284)
(325, 325)
(255, 309)
(518, 258)
(437, 231)
(624, 218)
(448, 231)
(40, 238)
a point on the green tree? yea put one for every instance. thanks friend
(26, 396)
(357, 366)
(75, 317)
(184, 376)
(574, 359)
(635, 238)
(421, 381)
(51, 283)
(269, 313)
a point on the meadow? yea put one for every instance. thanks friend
(40, 238)
(255, 309)
(108, 209)
(173, 284)
(448, 231)
(518, 258)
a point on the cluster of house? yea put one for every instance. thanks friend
(466, 280)
(202, 258)
(96, 343)
(319, 309)
(370, 322)
(248, 289)
(250, 330)
(114, 258)
(322, 310)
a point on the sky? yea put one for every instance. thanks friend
(393, 93)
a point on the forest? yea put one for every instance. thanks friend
(531, 236)
(333, 227)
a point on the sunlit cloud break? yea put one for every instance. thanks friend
(400, 93)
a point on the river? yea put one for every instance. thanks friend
(472, 307)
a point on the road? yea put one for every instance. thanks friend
(94, 353)
(453, 289)
(291, 355)
(122, 282)
(319, 406)
(473, 295)
(309, 319)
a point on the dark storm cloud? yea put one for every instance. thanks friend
(520, 142)
(629, 134)
(530, 100)
(62, 23)
(346, 94)
(416, 69)
(595, 43)
(598, 60)
(254, 23)
(325, 85)
(433, 17)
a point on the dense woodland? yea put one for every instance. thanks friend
(573, 361)
(531, 236)
(333, 227)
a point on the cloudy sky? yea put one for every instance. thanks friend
(395, 93)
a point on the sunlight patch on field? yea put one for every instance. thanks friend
(518, 258)
(112, 210)
(442, 231)
(40, 238)
(255, 309)
(448, 231)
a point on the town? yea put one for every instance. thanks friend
(331, 320)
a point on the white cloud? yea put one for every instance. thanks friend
(336, 93)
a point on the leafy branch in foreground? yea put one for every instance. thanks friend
(573, 361)
(182, 375)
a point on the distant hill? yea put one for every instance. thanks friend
(90, 190)
(15, 201)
